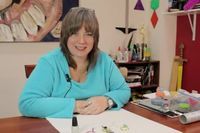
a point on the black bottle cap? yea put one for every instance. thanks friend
(74, 121)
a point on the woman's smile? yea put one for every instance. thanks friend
(80, 47)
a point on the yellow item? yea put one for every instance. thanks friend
(174, 75)
(180, 72)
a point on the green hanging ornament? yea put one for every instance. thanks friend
(155, 4)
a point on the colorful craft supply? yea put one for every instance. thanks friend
(124, 128)
(154, 6)
(139, 5)
(183, 107)
(105, 129)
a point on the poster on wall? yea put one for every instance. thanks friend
(33, 20)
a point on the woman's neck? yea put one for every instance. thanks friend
(80, 72)
(82, 64)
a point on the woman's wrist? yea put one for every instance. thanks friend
(110, 102)
(76, 107)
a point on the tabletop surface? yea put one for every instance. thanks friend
(36, 125)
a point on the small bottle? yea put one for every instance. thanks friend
(126, 55)
(130, 52)
(138, 52)
(169, 5)
(141, 52)
(145, 52)
(175, 4)
(75, 128)
(119, 55)
(148, 54)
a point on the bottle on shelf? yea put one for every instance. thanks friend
(126, 55)
(146, 53)
(119, 55)
(169, 5)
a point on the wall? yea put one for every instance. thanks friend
(191, 53)
(12, 74)
(162, 40)
(110, 14)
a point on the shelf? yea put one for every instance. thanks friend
(123, 29)
(183, 12)
(148, 71)
(137, 62)
(192, 12)
(150, 86)
(145, 86)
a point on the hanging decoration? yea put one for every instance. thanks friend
(139, 5)
(154, 19)
(154, 6)
(126, 29)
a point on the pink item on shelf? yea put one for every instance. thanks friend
(190, 4)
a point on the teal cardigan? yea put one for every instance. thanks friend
(45, 89)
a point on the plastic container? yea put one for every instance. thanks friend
(188, 98)
(183, 107)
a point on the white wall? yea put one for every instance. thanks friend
(12, 74)
(110, 14)
(162, 41)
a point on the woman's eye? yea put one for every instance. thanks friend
(88, 34)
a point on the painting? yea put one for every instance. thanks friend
(33, 20)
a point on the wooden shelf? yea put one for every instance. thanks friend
(150, 86)
(137, 62)
(145, 86)
(134, 66)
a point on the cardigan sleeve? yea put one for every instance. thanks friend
(36, 99)
(119, 90)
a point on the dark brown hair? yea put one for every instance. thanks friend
(73, 21)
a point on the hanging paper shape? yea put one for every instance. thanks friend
(155, 4)
(139, 5)
(154, 19)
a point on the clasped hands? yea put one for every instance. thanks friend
(91, 106)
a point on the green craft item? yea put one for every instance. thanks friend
(155, 4)
(184, 106)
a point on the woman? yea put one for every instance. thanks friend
(76, 78)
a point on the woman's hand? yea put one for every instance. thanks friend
(95, 105)
(80, 105)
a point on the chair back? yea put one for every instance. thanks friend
(29, 69)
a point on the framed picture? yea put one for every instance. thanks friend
(33, 20)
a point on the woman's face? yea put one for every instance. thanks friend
(30, 20)
(80, 44)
